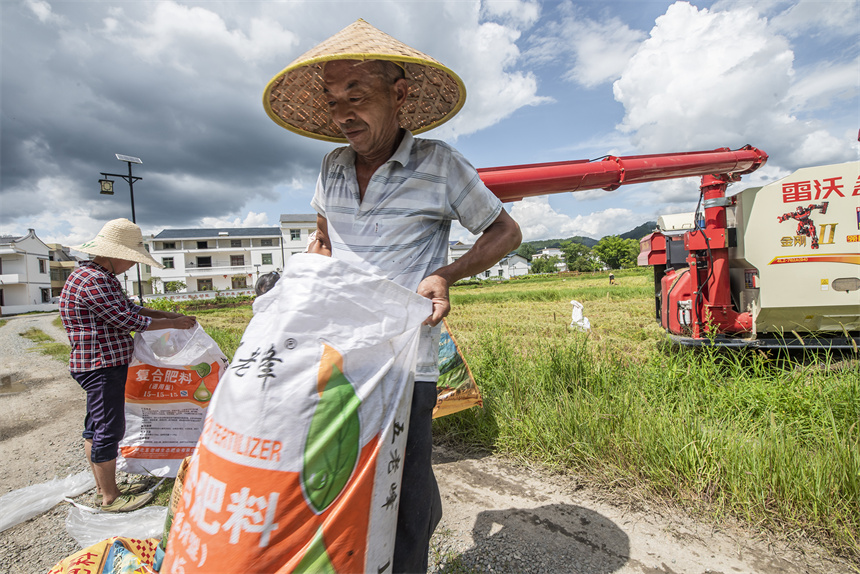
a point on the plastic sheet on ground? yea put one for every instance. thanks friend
(88, 526)
(25, 503)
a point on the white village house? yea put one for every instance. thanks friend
(222, 259)
(295, 229)
(511, 265)
(25, 275)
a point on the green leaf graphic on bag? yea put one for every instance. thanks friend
(316, 559)
(332, 444)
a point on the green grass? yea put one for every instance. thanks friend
(772, 439)
(46, 345)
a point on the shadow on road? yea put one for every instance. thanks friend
(552, 538)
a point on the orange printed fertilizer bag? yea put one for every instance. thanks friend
(168, 388)
(298, 467)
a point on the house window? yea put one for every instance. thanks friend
(204, 285)
(167, 262)
(501, 273)
(487, 273)
(147, 269)
(240, 282)
(237, 260)
(46, 295)
(295, 234)
(43, 265)
(204, 262)
(235, 243)
(202, 245)
(266, 242)
(267, 258)
(168, 245)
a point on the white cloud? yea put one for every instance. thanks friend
(817, 86)
(185, 36)
(42, 10)
(522, 13)
(600, 50)
(250, 220)
(705, 79)
(538, 220)
(487, 64)
(829, 18)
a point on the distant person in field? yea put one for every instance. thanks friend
(386, 202)
(98, 318)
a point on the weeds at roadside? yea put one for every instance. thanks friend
(46, 345)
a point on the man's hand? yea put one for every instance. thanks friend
(435, 288)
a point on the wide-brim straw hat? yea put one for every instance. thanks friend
(295, 100)
(120, 239)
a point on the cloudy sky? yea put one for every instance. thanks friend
(179, 85)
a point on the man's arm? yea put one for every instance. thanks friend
(500, 238)
(322, 244)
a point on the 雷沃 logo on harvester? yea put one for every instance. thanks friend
(332, 444)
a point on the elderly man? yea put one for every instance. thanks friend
(386, 202)
(98, 318)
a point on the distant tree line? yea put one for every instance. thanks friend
(611, 252)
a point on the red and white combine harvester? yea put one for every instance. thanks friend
(776, 266)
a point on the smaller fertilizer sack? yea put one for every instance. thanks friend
(116, 554)
(299, 464)
(456, 389)
(170, 383)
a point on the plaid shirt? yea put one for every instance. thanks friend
(98, 318)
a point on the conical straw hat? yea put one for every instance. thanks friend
(120, 239)
(294, 98)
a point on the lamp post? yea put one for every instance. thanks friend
(106, 188)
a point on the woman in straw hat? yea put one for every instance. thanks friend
(98, 318)
(387, 201)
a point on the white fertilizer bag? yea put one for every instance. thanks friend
(578, 320)
(298, 467)
(169, 385)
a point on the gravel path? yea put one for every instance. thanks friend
(499, 517)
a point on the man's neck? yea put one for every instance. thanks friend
(366, 166)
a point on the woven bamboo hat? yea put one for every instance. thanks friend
(120, 239)
(294, 98)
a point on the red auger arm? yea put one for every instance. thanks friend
(513, 183)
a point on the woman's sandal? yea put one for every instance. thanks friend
(127, 502)
(124, 488)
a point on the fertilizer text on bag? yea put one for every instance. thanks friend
(298, 467)
(169, 385)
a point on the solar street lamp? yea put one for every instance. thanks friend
(107, 189)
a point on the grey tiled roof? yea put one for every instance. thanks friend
(214, 233)
(298, 218)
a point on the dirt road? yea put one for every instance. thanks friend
(499, 517)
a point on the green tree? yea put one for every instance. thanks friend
(526, 250)
(545, 265)
(579, 257)
(617, 253)
(173, 286)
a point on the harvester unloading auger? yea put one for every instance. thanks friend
(755, 269)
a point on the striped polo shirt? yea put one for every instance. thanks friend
(401, 228)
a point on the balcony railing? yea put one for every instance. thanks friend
(11, 279)
(195, 271)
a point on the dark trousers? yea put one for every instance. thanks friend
(105, 421)
(420, 503)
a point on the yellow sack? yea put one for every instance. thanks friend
(127, 555)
